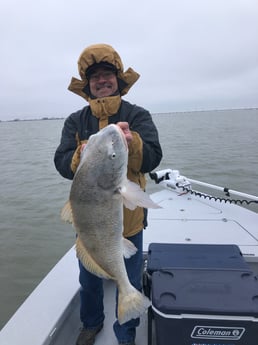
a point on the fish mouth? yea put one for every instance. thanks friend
(122, 136)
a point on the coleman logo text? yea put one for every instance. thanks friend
(213, 332)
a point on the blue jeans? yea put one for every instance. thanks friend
(91, 293)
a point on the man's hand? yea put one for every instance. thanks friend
(127, 133)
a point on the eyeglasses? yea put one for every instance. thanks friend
(104, 75)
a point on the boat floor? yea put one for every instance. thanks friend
(70, 329)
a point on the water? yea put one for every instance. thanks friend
(218, 147)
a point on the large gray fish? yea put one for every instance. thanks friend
(99, 189)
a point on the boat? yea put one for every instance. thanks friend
(50, 314)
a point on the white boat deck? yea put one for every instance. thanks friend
(191, 219)
(68, 334)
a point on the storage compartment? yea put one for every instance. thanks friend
(200, 306)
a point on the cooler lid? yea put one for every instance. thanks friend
(194, 291)
(206, 256)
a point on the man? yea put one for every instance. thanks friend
(103, 82)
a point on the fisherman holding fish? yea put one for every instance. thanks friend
(106, 148)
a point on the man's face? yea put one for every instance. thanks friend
(103, 82)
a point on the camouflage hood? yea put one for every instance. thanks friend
(96, 54)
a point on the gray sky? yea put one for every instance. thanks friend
(191, 54)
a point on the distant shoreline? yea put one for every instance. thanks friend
(204, 111)
(35, 119)
(45, 118)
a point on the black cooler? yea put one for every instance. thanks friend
(201, 307)
(201, 295)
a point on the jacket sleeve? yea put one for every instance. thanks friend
(146, 147)
(67, 149)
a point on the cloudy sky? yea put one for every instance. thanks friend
(191, 54)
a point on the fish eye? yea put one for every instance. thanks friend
(113, 155)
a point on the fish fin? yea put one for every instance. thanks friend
(129, 248)
(134, 196)
(66, 213)
(131, 305)
(88, 262)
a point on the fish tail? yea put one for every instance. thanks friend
(131, 305)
